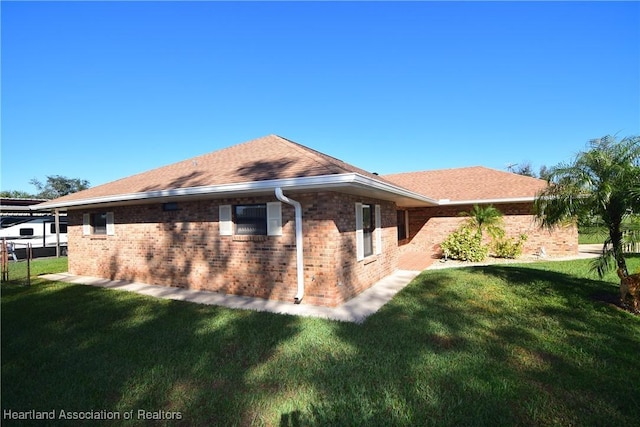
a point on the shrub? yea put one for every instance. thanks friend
(509, 247)
(487, 218)
(464, 244)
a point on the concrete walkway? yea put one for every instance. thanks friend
(355, 310)
(584, 252)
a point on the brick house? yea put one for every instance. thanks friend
(271, 218)
(458, 190)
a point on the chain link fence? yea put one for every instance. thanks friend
(15, 260)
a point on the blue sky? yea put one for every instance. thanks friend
(100, 91)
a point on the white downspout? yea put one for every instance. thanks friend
(299, 255)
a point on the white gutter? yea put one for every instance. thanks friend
(299, 242)
(326, 182)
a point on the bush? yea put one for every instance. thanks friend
(509, 247)
(465, 244)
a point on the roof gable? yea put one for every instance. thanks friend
(470, 184)
(268, 158)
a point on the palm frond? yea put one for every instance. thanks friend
(485, 218)
(602, 265)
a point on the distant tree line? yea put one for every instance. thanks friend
(526, 169)
(54, 187)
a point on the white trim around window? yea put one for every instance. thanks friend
(378, 231)
(90, 226)
(359, 233)
(374, 236)
(273, 219)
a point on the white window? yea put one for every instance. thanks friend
(251, 220)
(100, 223)
(368, 230)
(403, 224)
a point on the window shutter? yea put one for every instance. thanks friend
(86, 224)
(359, 233)
(274, 219)
(225, 221)
(378, 223)
(111, 230)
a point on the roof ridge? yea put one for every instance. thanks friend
(439, 170)
(316, 155)
(434, 171)
(322, 159)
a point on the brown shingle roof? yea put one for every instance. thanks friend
(266, 158)
(273, 157)
(471, 183)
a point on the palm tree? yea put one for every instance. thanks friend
(599, 183)
(485, 218)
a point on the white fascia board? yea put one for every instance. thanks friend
(393, 189)
(305, 183)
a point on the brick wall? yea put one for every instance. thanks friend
(353, 276)
(428, 227)
(184, 248)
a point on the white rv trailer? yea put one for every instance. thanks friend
(39, 231)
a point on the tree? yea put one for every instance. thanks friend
(525, 169)
(544, 173)
(17, 194)
(600, 183)
(58, 186)
(485, 218)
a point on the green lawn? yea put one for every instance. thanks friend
(38, 266)
(591, 239)
(592, 235)
(584, 238)
(530, 344)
